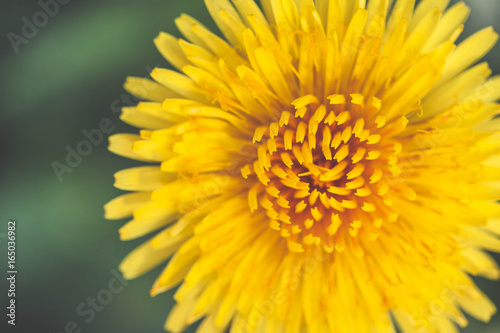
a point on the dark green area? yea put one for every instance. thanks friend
(64, 81)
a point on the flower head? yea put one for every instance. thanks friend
(329, 166)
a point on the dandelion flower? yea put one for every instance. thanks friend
(327, 166)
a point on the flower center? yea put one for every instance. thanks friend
(321, 171)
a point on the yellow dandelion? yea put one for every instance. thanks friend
(329, 166)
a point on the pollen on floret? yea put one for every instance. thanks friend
(332, 154)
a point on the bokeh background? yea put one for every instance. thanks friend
(64, 80)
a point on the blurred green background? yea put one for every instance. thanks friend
(62, 81)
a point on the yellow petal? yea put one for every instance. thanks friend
(125, 204)
(148, 90)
